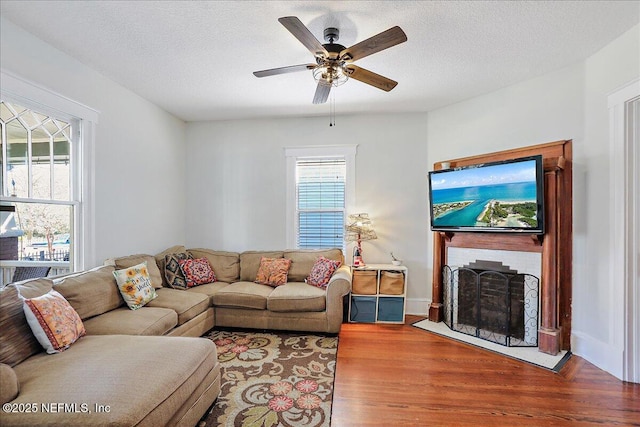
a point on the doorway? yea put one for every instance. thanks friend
(624, 110)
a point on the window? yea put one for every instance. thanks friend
(45, 202)
(320, 187)
(320, 191)
(37, 184)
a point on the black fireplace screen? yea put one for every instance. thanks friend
(492, 305)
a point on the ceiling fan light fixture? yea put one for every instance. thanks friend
(333, 62)
(330, 74)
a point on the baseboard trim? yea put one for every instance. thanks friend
(603, 355)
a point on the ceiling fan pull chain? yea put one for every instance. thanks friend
(332, 111)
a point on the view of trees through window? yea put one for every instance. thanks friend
(37, 198)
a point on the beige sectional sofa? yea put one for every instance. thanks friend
(239, 302)
(118, 379)
(147, 366)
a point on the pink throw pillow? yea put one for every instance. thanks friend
(322, 271)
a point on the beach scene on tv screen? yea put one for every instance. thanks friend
(495, 196)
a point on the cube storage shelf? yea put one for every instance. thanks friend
(378, 294)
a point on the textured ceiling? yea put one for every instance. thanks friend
(195, 58)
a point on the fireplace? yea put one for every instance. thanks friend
(554, 246)
(489, 300)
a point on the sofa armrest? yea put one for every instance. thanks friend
(339, 285)
(340, 282)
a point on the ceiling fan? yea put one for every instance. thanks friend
(333, 64)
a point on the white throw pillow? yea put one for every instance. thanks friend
(135, 286)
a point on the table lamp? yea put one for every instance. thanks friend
(359, 228)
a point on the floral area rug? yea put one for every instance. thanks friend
(273, 379)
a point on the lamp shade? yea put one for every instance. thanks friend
(359, 228)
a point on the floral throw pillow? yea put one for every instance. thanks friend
(55, 324)
(322, 271)
(135, 286)
(197, 271)
(172, 271)
(273, 271)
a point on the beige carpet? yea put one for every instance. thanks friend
(273, 379)
(526, 354)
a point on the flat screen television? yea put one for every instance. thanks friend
(505, 196)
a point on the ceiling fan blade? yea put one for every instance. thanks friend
(370, 78)
(322, 93)
(284, 70)
(302, 33)
(382, 41)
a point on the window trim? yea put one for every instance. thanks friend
(31, 95)
(292, 154)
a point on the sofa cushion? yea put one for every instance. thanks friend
(226, 265)
(135, 286)
(186, 305)
(197, 271)
(250, 262)
(160, 259)
(273, 271)
(302, 260)
(243, 295)
(131, 260)
(297, 296)
(145, 321)
(55, 324)
(34, 288)
(140, 379)
(90, 292)
(173, 275)
(10, 384)
(208, 289)
(17, 342)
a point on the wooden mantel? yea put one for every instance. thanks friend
(555, 245)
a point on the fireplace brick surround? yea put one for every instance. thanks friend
(554, 247)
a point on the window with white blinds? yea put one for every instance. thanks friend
(320, 191)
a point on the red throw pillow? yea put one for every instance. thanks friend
(322, 271)
(197, 271)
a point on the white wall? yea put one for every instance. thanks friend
(237, 185)
(597, 328)
(568, 104)
(139, 149)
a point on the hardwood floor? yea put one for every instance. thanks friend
(399, 375)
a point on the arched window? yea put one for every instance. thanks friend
(45, 200)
